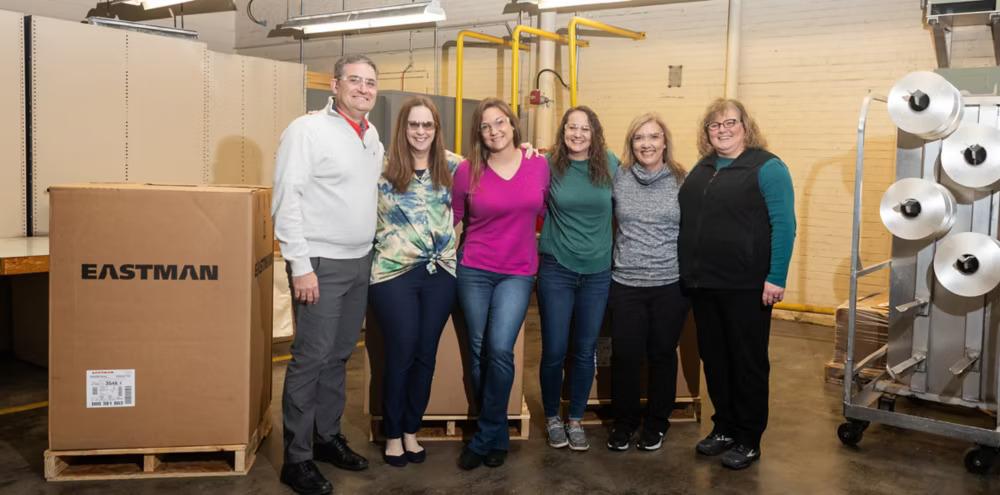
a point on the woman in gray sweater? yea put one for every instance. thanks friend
(646, 305)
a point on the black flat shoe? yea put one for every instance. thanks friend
(469, 459)
(416, 457)
(396, 460)
(495, 458)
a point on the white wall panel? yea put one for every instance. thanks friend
(78, 107)
(165, 110)
(12, 146)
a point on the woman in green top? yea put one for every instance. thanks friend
(574, 272)
(413, 271)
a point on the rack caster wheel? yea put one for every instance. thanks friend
(851, 432)
(979, 459)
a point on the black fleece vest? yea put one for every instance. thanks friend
(725, 236)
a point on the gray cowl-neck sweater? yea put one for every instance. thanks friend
(648, 216)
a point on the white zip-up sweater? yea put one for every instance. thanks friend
(325, 189)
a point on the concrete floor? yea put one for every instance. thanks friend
(801, 454)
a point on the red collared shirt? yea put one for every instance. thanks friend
(359, 128)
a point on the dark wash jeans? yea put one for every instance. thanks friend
(565, 296)
(412, 310)
(494, 305)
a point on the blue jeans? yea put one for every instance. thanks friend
(494, 305)
(564, 296)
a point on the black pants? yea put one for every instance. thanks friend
(733, 331)
(646, 322)
(412, 310)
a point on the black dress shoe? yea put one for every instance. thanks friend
(469, 459)
(495, 458)
(396, 460)
(416, 457)
(337, 452)
(305, 479)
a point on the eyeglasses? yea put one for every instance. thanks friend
(728, 124)
(499, 124)
(358, 81)
(577, 128)
(413, 126)
(641, 138)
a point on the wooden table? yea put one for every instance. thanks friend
(21, 255)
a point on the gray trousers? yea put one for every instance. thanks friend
(326, 334)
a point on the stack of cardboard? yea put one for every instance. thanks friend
(871, 333)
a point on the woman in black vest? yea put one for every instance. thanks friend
(735, 244)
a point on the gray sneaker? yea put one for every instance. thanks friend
(577, 437)
(556, 431)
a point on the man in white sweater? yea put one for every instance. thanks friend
(324, 217)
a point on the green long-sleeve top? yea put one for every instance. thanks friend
(776, 186)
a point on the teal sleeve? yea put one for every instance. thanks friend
(776, 187)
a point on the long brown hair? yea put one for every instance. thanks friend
(752, 137)
(598, 154)
(628, 157)
(399, 170)
(479, 152)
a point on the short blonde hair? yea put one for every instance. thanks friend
(628, 157)
(752, 138)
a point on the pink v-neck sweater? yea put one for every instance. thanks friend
(500, 217)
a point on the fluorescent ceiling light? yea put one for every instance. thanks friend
(153, 4)
(142, 28)
(356, 20)
(558, 4)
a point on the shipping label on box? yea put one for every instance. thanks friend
(110, 388)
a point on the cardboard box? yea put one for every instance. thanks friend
(451, 390)
(160, 315)
(870, 333)
(688, 365)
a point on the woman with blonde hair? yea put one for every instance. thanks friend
(736, 241)
(646, 304)
(498, 194)
(413, 270)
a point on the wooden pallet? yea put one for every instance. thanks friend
(167, 462)
(833, 373)
(686, 410)
(458, 427)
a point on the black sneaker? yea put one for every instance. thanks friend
(495, 458)
(715, 444)
(305, 479)
(649, 440)
(337, 452)
(619, 439)
(469, 459)
(740, 457)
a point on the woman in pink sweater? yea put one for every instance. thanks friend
(498, 195)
